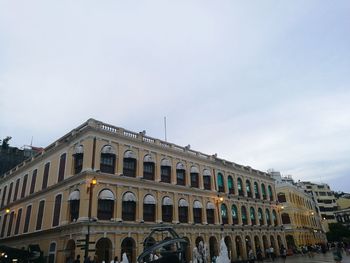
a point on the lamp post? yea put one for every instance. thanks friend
(93, 182)
(218, 201)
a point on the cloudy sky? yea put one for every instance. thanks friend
(261, 83)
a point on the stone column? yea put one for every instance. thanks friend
(176, 208)
(139, 166)
(139, 214)
(159, 207)
(119, 203)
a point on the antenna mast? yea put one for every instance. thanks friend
(165, 128)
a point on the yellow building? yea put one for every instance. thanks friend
(300, 217)
(110, 186)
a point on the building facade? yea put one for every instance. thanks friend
(325, 199)
(110, 186)
(300, 217)
(343, 216)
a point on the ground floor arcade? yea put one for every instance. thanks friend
(109, 240)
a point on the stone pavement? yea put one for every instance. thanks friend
(318, 258)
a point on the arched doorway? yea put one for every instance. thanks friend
(290, 241)
(228, 243)
(213, 247)
(104, 250)
(199, 239)
(257, 242)
(266, 244)
(239, 247)
(248, 243)
(187, 250)
(128, 247)
(273, 244)
(70, 249)
(279, 241)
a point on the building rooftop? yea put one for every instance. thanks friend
(137, 136)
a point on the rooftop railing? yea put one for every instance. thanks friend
(98, 125)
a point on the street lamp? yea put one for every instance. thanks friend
(93, 182)
(7, 210)
(218, 201)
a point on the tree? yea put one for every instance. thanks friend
(337, 232)
(5, 142)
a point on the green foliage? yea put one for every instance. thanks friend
(5, 142)
(337, 232)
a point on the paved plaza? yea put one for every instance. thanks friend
(328, 257)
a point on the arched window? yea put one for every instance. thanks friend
(18, 221)
(4, 196)
(24, 186)
(148, 167)
(183, 211)
(252, 216)
(194, 177)
(165, 171)
(197, 212)
(206, 179)
(221, 185)
(231, 189)
(16, 189)
(10, 193)
(180, 174)
(269, 189)
(285, 219)
(57, 210)
(281, 197)
(263, 191)
(105, 205)
(74, 204)
(129, 164)
(234, 213)
(274, 217)
(268, 218)
(244, 215)
(260, 217)
(256, 190)
(45, 176)
(32, 184)
(3, 226)
(27, 219)
(129, 207)
(210, 213)
(149, 208)
(167, 209)
(52, 253)
(108, 155)
(39, 219)
(224, 214)
(9, 228)
(248, 188)
(78, 156)
(61, 167)
(240, 187)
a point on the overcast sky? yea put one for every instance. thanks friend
(260, 83)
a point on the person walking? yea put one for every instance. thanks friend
(272, 253)
(259, 254)
(251, 256)
(115, 260)
(77, 260)
(337, 253)
(283, 252)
